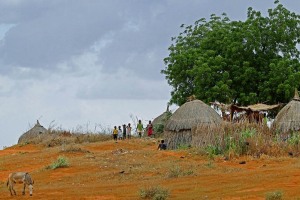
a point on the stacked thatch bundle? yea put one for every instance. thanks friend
(183, 123)
(33, 133)
(288, 118)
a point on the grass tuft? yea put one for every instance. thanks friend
(61, 162)
(276, 195)
(154, 193)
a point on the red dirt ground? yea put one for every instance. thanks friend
(108, 171)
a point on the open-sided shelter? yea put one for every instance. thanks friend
(253, 113)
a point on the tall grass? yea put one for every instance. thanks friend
(58, 136)
(236, 139)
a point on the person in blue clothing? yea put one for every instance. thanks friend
(162, 145)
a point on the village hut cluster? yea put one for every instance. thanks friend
(188, 124)
(181, 128)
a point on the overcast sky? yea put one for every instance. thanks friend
(93, 63)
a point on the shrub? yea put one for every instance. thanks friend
(59, 163)
(174, 172)
(294, 139)
(277, 195)
(154, 193)
(158, 128)
(212, 151)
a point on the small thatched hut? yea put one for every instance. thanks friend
(288, 118)
(33, 133)
(160, 121)
(180, 128)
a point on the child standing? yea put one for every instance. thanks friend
(124, 131)
(115, 133)
(120, 133)
(128, 129)
(140, 128)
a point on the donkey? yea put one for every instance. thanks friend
(19, 177)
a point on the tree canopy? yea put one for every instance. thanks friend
(241, 62)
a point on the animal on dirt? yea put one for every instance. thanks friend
(19, 177)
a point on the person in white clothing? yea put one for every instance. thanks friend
(120, 133)
(128, 131)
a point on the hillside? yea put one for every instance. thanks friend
(109, 170)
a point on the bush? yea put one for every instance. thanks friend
(158, 128)
(277, 195)
(154, 193)
(213, 151)
(59, 163)
(174, 172)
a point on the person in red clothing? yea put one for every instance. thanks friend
(150, 129)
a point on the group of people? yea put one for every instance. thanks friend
(121, 134)
(124, 131)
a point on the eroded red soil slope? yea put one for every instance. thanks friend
(109, 170)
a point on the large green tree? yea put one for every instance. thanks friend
(242, 62)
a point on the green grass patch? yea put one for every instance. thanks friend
(61, 162)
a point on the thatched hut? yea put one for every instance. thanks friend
(33, 133)
(288, 118)
(180, 128)
(160, 121)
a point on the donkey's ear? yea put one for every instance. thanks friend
(32, 182)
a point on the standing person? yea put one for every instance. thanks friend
(115, 133)
(120, 133)
(140, 128)
(124, 131)
(150, 129)
(128, 129)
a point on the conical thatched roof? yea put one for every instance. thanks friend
(32, 133)
(161, 119)
(288, 118)
(191, 114)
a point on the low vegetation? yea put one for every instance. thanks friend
(238, 139)
(177, 171)
(277, 195)
(154, 193)
(61, 137)
(61, 162)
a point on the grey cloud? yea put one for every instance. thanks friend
(51, 32)
(58, 33)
